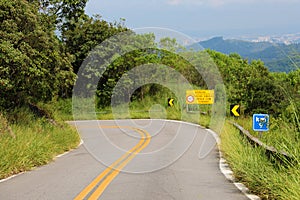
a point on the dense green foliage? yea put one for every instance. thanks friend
(36, 67)
(33, 64)
(86, 34)
(250, 85)
(64, 13)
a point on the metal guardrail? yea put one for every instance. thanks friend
(281, 156)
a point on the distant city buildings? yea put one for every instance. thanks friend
(286, 38)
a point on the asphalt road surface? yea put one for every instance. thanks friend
(130, 160)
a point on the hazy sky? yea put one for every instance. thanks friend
(204, 18)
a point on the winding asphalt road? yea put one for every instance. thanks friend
(130, 160)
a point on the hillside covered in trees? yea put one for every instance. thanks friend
(36, 64)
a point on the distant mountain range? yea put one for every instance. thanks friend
(278, 57)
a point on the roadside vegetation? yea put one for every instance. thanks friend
(34, 142)
(264, 176)
(44, 43)
(41, 49)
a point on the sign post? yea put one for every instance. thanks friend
(260, 123)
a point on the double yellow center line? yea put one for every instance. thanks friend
(95, 189)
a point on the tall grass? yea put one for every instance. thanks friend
(282, 135)
(269, 180)
(36, 142)
(61, 109)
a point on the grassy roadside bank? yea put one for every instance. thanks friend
(36, 142)
(264, 177)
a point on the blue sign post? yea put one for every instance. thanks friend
(261, 122)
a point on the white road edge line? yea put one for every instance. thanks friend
(224, 167)
(58, 156)
(228, 173)
(65, 153)
(10, 177)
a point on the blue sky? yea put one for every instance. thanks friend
(204, 18)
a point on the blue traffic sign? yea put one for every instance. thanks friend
(261, 122)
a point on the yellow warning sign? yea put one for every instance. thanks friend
(199, 96)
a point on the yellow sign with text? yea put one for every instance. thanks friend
(199, 97)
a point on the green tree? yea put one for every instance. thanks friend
(87, 33)
(63, 13)
(135, 56)
(250, 85)
(33, 65)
